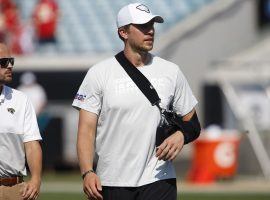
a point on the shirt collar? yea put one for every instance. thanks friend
(2, 96)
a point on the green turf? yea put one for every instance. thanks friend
(224, 196)
(61, 196)
(75, 177)
(69, 176)
(77, 196)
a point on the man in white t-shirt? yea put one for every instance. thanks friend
(119, 123)
(19, 138)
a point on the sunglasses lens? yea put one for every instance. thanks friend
(4, 62)
(12, 60)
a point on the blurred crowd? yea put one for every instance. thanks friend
(24, 37)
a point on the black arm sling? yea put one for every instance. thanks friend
(172, 122)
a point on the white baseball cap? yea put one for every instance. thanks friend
(136, 13)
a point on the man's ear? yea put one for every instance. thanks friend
(123, 33)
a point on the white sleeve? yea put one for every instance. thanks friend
(30, 126)
(89, 96)
(184, 100)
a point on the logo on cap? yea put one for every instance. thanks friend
(142, 7)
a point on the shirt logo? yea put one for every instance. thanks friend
(80, 97)
(144, 8)
(11, 110)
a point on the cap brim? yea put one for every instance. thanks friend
(158, 19)
(155, 18)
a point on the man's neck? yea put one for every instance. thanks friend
(1, 88)
(138, 59)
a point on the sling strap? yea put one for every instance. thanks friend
(139, 79)
(190, 129)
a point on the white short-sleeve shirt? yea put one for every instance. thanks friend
(18, 124)
(127, 122)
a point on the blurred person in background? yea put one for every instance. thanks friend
(119, 123)
(12, 16)
(45, 19)
(34, 91)
(11, 25)
(19, 138)
(37, 95)
(3, 30)
(18, 36)
(2, 27)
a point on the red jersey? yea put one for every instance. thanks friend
(45, 17)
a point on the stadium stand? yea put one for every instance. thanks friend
(89, 26)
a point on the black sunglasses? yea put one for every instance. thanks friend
(4, 62)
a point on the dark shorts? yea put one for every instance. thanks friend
(160, 190)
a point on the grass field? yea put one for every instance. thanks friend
(185, 196)
(68, 186)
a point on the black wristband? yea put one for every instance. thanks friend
(87, 172)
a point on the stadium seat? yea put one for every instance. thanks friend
(87, 26)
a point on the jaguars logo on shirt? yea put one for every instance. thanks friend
(11, 110)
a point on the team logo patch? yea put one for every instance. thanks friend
(144, 8)
(80, 97)
(11, 110)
